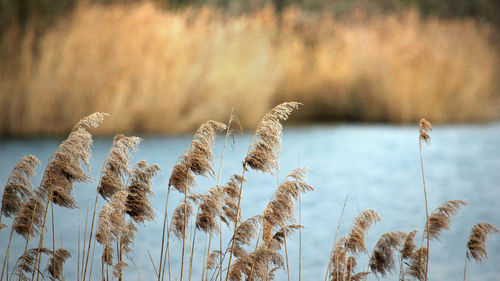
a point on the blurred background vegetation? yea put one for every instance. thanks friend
(166, 66)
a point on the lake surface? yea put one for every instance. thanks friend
(377, 166)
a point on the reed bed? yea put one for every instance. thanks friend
(257, 248)
(139, 61)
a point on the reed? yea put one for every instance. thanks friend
(259, 244)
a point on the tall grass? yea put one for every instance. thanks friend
(128, 192)
(140, 62)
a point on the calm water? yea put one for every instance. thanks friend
(376, 166)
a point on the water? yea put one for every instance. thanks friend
(376, 166)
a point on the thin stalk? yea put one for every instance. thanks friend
(7, 253)
(335, 241)
(103, 277)
(139, 268)
(220, 248)
(253, 262)
(121, 258)
(92, 261)
(38, 255)
(237, 219)
(192, 249)
(300, 238)
(91, 233)
(152, 262)
(53, 238)
(85, 238)
(79, 231)
(426, 211)
(184, 230)
(465, 265)
(165, 223)
(208, 254)
(204, 259)
(27, 240)
(286, 255)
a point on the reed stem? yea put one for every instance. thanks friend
(465, 265)
(236, 221)
(192, 250)
(184, 230)
(426, 212)
(7, 254)
(91, 233)
(300, 238)
(335, 241)
(154, 267)
(165, 222)
(27, 240)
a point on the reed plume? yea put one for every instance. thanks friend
(27, 263)
(355, 242)
(382, 258)
(255, 265)
(114, 171)
(182, 213)
(137, 203)
(65, 165)
(116, 165)
(210, 209)
(18, 186)
(440, 219)
(476, 246)
(15, 194)
(280, 210)
(29, 220)
(337, 260)
(230, 204)
(266, 146)
(408, 245)
(245, 232)
(56, 262)
(417, 267)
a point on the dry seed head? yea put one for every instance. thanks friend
(266, 146)
(382, 258)
(408, 245)
(440, 219)
(28, 266)
(56, 263)
(417, 265)
(18, 186)
(476, 246)
(280, 210)
(137, 203)
(178, 218)
(118, 268)
(425, 128)
(355, 241)
(29, 220)
(210, 209)
(116, 166)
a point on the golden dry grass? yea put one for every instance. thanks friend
(167, 71)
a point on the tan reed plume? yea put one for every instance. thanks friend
(417, 267)
(137, 204)
(266, 146)
(18, 186)
(181, 213)
(230, 204)
(56, 262)
(113, 175)
(15, 194)
(406, 251)
(355, 242)
(210, 209)
(29, 220)
(476, 246)
(424, 127)
(382, 258)
(280, 210)
(337, 260)
(440, 219)
(65, 165)
(116, 166)
(408, 245)
(27, 263)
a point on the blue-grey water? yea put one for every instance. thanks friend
(377, 166)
